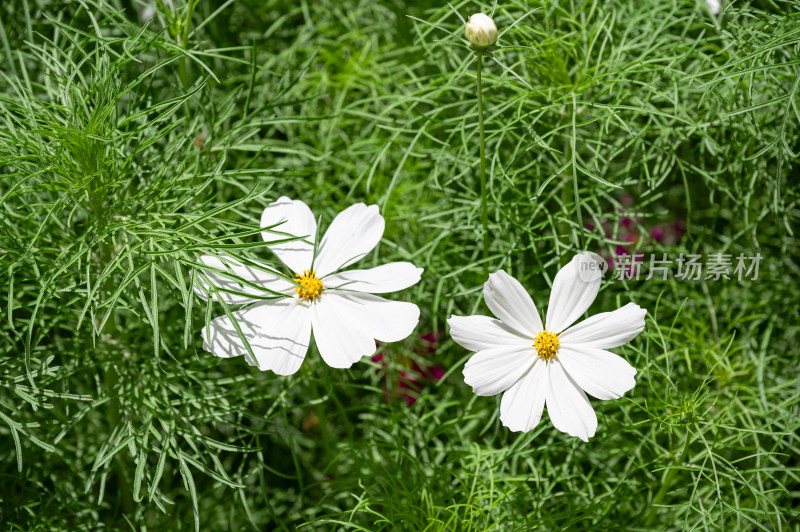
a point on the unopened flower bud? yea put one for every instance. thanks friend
(481, 30)
(713, 6)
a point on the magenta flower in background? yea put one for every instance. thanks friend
(415, 377)
(627, 230)
(668, 233)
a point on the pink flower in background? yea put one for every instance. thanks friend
(657, 233)
(415, 377)
(668, 233)
(627, 230)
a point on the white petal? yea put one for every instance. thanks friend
(495, 370)
(599, 373)
(509, 301)
(353, 233)
(379, 280)
(574, 289)
(278, 333)
(341, 339)
(381, 319)
(298, 220)
(238, 277)
(522, 405)
(483, 332)
(608, 329)
(567, 405)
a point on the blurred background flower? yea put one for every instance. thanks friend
(630, 233)
(410, 381)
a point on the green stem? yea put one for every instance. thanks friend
(112, 381)
(581, 237)
(667, 482)
(322, 416)
(183, 42)
(484, 205)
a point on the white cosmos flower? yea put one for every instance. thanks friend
(338, 306)
(554, 363)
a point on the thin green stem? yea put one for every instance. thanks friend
(581, 231)
(322, 416)
(484, 205)
(183, 41)
(667, 482)
(112, 381)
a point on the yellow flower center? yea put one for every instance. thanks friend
(546, 344)
(310, 287)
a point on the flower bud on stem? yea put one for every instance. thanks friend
(482, 33)
(484, 206)
(481, 30)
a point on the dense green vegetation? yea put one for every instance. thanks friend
(128, 148)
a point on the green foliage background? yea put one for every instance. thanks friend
(129, 148)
